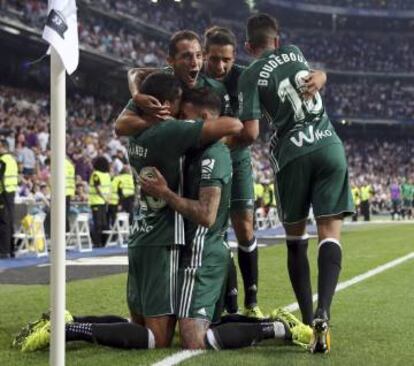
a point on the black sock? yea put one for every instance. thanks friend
(238, 335)
(231, 289)
(329, 265)
(299, 273)
(248, 263)
(99, 319)
(79, 332)
(239, 318)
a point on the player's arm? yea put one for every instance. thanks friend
(215, 129)
(202, 211)
(129, 123)
(145, 102)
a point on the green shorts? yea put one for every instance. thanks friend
(242, 189)
(203, 285)
(319, 179)
(152, 280)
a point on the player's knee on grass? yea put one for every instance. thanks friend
(242, 221)
(163, 329)
(193, 333)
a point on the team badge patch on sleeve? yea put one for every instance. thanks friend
(207, 166)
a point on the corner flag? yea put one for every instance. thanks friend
(61, 31)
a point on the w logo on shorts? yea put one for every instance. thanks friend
(207, 166)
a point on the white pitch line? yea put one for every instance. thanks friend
(178, 357)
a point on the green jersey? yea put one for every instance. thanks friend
(271, 86)
(231, 82)
(208, 168)
(163, 146)
(219, 88)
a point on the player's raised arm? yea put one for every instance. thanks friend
(202, 211)
(129, 123)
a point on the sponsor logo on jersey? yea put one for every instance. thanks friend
(207, 166)
(310, 136)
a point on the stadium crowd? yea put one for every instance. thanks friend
(366, 4)
(344, 50)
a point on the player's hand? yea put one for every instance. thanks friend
(151, 106)
(154, 184)
(314, 82)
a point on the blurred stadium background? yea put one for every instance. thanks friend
(366, 47)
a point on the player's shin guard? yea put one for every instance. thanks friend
(239, 335)
(299, 273)
(248, 263)
(117, 335)
(231, 289)
(329, 265)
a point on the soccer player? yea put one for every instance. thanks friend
(185, 60)
(156, 236)
(308, 159)
(220, 54)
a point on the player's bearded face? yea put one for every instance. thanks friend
(219, 61)
(187, 62)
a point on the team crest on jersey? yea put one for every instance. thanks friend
(207, 166)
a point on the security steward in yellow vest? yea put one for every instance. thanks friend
(366, 194)
(113, 200)
(99, 192)
(356, 196)
(8, 186)
(258, 195)
(69, 188)
(127, 191)
(269, 199)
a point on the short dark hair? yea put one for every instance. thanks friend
(219, 36)
(260, 28)
(186, 35)
(162, 86)
(101, 163)
(203, 98)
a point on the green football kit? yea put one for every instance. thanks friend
(158, 231)
(307, 155)
(205, 258)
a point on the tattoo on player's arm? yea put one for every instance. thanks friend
(202, 211)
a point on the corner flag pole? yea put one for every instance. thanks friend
(61, 32)
(58, 213)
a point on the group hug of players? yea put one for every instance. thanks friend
(190, 126)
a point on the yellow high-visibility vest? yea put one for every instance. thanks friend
(127, 185)
(356, 195)
(104, 186)
(70, 178)
(114, 199)
(258, 191)
(10, 178)
(366, 192)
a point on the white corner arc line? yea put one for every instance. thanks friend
(178, 357)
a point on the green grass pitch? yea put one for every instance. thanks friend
(372, 321)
